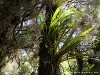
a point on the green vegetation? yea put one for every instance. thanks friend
(49, 37)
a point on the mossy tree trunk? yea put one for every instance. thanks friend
(47, 64)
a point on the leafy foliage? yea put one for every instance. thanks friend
(61, 36)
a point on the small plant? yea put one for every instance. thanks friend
(25, 69)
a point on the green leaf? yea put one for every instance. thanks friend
(56, 12)
(67, 40)
(78, 39)
(62, 34)
(54, 22)
(67, 12)
(42, 21)
(87, 31)
(72, 44)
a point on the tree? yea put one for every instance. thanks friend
(59, 24)
(57, 30)
(13, 34)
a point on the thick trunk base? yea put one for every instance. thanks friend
(46, 68)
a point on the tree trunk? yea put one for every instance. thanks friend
(47, 64)
(47, 68)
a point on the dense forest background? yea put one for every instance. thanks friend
(49, 37)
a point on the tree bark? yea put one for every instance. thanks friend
(47, 64)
